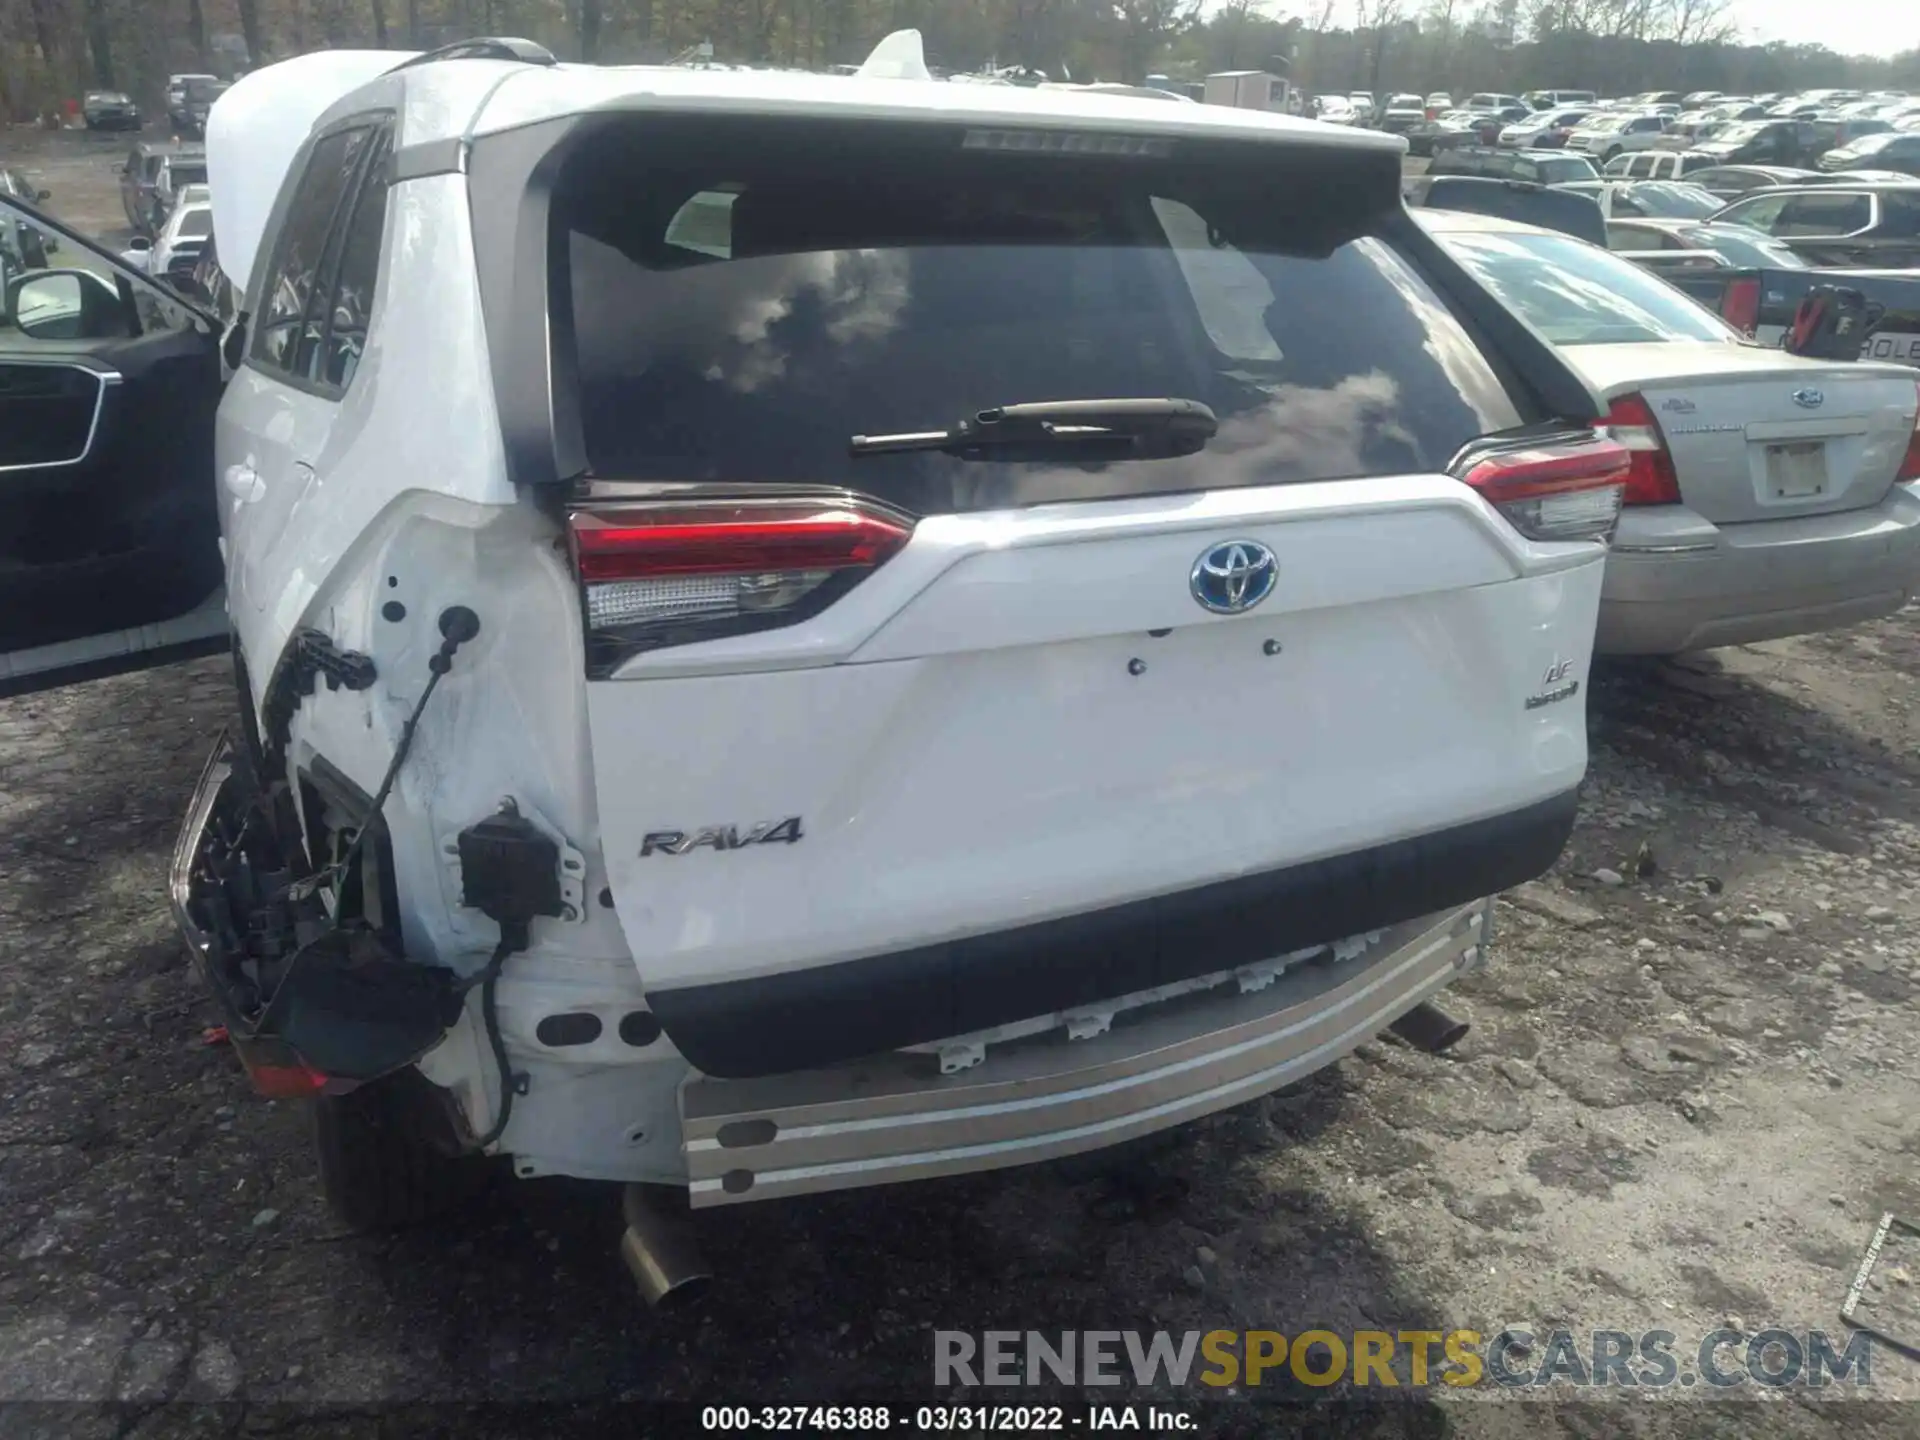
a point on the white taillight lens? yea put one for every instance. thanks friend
(1560, 490)
(672, 572)
(1910, 463)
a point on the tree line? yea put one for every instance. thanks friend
(52, 50)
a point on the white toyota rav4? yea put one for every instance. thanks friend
(796, 632)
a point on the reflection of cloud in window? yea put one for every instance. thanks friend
(1449, 345)
(718, 323)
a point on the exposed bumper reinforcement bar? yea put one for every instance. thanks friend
(895, 1117)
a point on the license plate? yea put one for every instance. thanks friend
(1796, 472)
(1901, 347)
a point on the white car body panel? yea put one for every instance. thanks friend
(984, 761)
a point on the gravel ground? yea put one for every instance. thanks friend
(1691, 1089)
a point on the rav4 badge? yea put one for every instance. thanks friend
(720, 837)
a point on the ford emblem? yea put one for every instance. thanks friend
(1234, 576)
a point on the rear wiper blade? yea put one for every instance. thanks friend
(1147, 428)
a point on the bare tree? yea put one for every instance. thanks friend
(1146, 26)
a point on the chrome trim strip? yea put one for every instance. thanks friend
(1689, 549)
(892, 1118)
(103, 379)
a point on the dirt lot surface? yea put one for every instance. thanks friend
(1692, 1087)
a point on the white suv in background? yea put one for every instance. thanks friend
(1608, 134)
(796, 632)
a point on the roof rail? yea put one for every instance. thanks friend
(485, 47)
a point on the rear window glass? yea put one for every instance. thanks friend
(743, 322)
(193, 174)
(1576, 294)
(196, 224)
(1558, 171)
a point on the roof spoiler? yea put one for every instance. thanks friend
(900, 56)
(484, 47)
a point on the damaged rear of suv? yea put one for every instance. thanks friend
(799, 632)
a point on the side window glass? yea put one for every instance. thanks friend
(358, 271)
(287, 332)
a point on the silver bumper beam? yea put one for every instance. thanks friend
(896, 1117)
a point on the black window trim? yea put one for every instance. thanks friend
(510, 181)
(381, 122)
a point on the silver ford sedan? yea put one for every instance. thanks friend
(1770, 495)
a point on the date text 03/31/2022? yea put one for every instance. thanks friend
(938, 1419)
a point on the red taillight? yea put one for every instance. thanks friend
(1910, 465)
(1740, 306)
(1555, 491)
(1650, 477)
(670, 572)
(276, 1071)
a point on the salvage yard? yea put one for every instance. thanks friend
(1691, 1089)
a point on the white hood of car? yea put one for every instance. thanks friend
(256, 128)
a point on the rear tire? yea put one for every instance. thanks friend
(385, 1155)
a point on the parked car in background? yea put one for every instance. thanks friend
(1825, 133)
(177, 171)
(1363, 105)
(1732, 181)
(1500, 164)
(1628, 198)
(1760, 142)
(177, 246)
(109, 110)
(1761, 283)
(1430, 137)
(565, 979)
(1547, 206)
(1489, 100)
(1335, 110)
(141, 173)
(1561, 99)
(197, 94)
(1543, 130)
(1403, 112)
(1838, 224)
(1438, 103)
(1769, 494)
(1656, 165)
(1606, 135)
(28, 244)
(1890, 150)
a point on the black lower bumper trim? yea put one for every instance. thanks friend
(829, 1013)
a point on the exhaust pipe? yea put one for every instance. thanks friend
(1427, 1027)
(660, 1253)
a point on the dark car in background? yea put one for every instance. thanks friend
(30, 244)
(109, 110)
(1730, 182)
(1761, 142)
(1502, 164)
(1893, 150)
(188, 114)
(1836, 224)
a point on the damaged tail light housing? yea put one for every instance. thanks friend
(1650, 480)
(1910, 463)
(1563, 488)
(658, 572)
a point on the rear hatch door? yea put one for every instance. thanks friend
(1077, 685)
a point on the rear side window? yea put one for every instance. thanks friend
(318, 300)
(1825, 215)
(741, 321)
(286, 299)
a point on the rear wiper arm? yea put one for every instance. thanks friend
(1147, 428)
